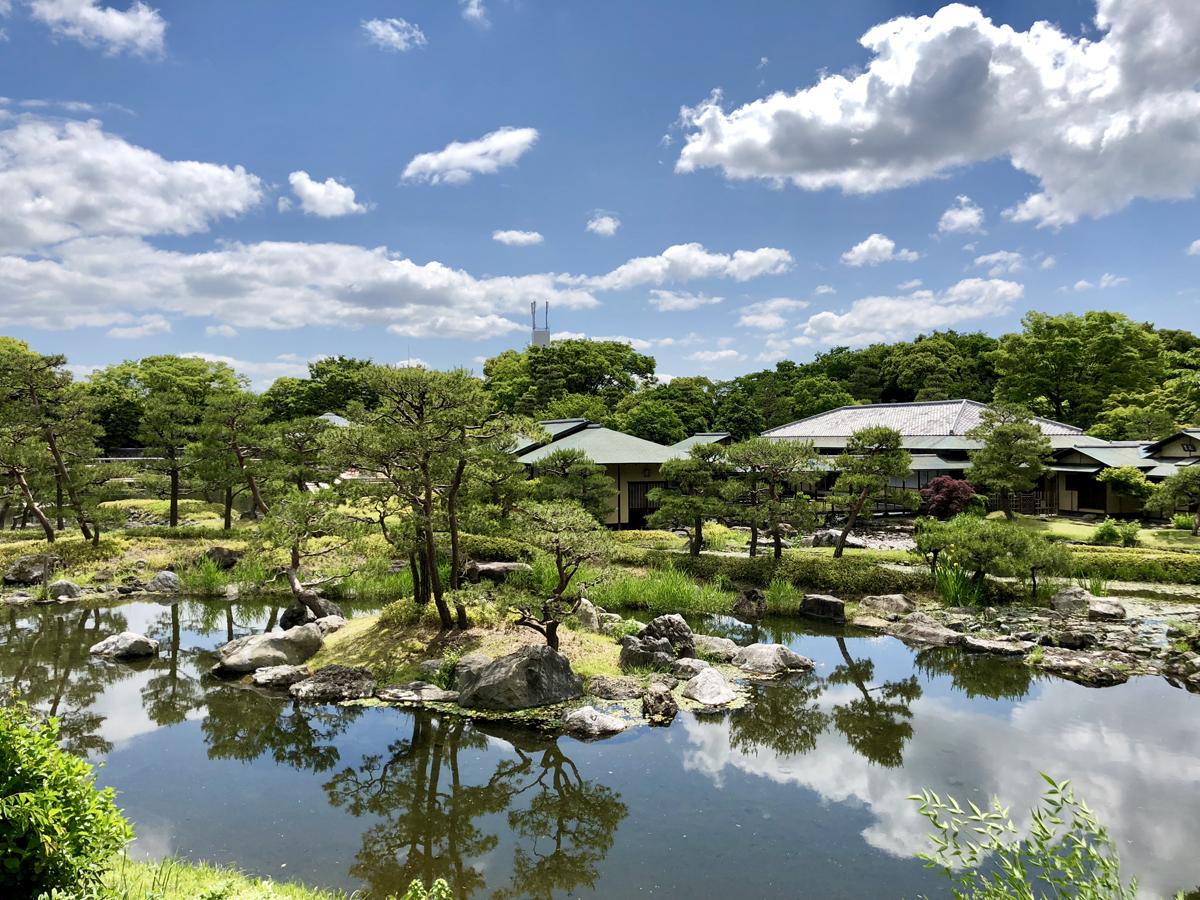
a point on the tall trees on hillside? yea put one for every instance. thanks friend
(1013, 456)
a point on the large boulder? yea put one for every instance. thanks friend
(823, 606)
(887, 606)
(718, 648)
(588, 615)
(224, 557)
(673, 628)
(608, 687)
(1072, 600)
(495, 572)
(62, 590)
(688, 667)
(1105, 611)
(279, 677)
(752, 605)
(917, 629)
(654, 653)
(335, 683)
(299, 613)
(32, 569)
(417, 692)
(589, 722)
(126, 645)
(278, 648)
(330, 624)
(709, 688)
(467, 666)
(659, 705)
(164, 583)
(770, 659)
(828, 537)
(532, 676)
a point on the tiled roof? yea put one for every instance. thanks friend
(930, 419)
(602, 445)
(699, 439)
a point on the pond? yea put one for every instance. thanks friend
(800, 793)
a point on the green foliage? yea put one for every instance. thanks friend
(1128, 481)
(652, 539)
(530, 380)
(956, 587)
(569, 474)
(652, 420)
(1112, 532)
(1135, 564)
(1179, 490)
(665, 590)
(203, 577)
(782, 597)
(488, 548)
(439, 890)
(1013, 454)
(873, 461)
(57, 830)
(718, 537)
(1181, 522)
(767, 486)
(693, 493)
(567, 534)
(173, 879)
(1067, 853)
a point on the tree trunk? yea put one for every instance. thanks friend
(777, 539)
(850, 520)
(754, 540)
(697, 536)
(302, 594)
(552, 634)
(60, 469)
(228, 523)
(173, 515)
(58, 503)
(1196, 523)
(435, 577)
(260, 505)
(452, 517)
(1006, 504)
(31, 505)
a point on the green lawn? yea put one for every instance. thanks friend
(1073, 530)
(175, 880)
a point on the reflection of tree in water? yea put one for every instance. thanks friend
(877, 723)
(45, 661)
(977, 674)
(784, 717)
(170, 694)
(428, 826)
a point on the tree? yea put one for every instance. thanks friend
(233, 423)
(569, 474)
(652, 420)
(945, 497)
(529, 380)
(301, 523)
(770, 478)
(872, 460)
(692, 398)
(738, 413)
(1181, 490)
(1013, 455)
(692, 494)
(20, 455)
(816, 394)
(334, 384)
(572, 537)
(1129, 481)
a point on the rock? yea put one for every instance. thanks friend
(608, 687)
(281, 677)
(589, 722)
(823, 606)
(659, 705)
(607, 618)
(751, 605)
(887, 606)
(225, 557)
(330, 624)
(870, 623)
(664, 680)
(1003, 648)
(532, 676)
(417, 692)
(1072, 600)
(431, 668)
(335, 683)
(126, 645)
(588, 615)
(1099, 669)
(495, 572)
(1105, 611)
(688, 667)
(917, 628)
(1068, 640)
(164, 583)
(62, 590)
(719, 648)
(466, 667)
(18, 598)
(673, 628)
(32, 569)
(298, 613)
(257, 651)
(709, 688)
(770, 659)
(828, 537)
(646, 654)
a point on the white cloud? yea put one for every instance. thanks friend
(517, 238)
(462, 160)
(1194, 248)
(603, 224)
(876, 249)
(1082, 285)
(147, 327)
(680, 301)
(225, 331)
(769, 315)
(715, 356)
(138, 30)
(1048, 263)
(823, 289)
(394, 34)
(910, 285)
(261, 374)
(475, 12)
(327, 199)
(763, 62)
(685, 262)
(892, 318)
(639, 343)
(413, 362)
(964, 216)
(1108, 280)
(61, 180)
(1001, 262)
(1097, 123)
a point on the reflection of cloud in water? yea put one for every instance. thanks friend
(155, 839)
(1129, 752)
(121, 705)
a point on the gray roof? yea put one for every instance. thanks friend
(602, 445)
(335, 420)
(934, 418)
(556, 428)
(700, 439)
(1113, 455)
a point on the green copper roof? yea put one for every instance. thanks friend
(602, 445)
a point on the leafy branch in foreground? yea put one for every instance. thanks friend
(1067, 853)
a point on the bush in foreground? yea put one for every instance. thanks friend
(57, 829)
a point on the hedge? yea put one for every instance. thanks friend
(1133, 564)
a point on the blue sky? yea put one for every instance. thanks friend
(230, 178)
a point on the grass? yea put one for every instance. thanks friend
(177, 880)
(1067, 529)
(664, 590)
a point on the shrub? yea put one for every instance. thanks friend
(57, 830)
(487, 548)
(721, 537)
(781, 596)
(439, 890)
(666, 590)
(955, 586)
(1181, 521)
(945, 497)
(203, 577)
(1128, 564)
(1107, 532)
(1128, 532)
(656, 540)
